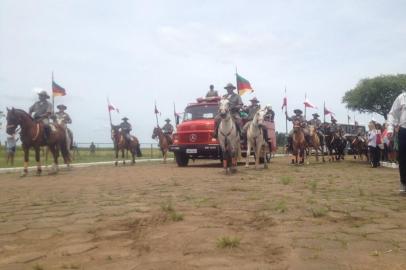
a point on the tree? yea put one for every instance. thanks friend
(375, 95)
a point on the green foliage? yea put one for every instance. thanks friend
(281, 139)
(375, 95)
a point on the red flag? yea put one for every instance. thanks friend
(327, 112)
(57, 90)
(111, 107)
(285, 102)
(308, 104)
(156, 110)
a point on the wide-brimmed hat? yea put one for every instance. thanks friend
(254, 100)
(230, 86)
(124, 119)
(167, 120)
(298, 111)
(316, 115)
(43, 93)
(61, 107)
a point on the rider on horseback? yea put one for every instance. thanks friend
(64, 119)
(236, 104)
(298, 117)
(251, 110)
(335, 128)
(316, 122)
(168, 130)
(42, 110)
(126, 129)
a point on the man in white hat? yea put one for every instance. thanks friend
(63, 119)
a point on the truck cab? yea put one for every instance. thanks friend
(194, 136)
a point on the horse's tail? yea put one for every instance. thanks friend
(138, 150)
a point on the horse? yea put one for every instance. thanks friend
(32, 135)
(336, 144)
(228, 137)
(255, 139)
(164, 141)
(298, 143)
(359, 147)
(121, 144)
(315, 142)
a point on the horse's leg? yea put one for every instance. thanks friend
(257, 154)
(53, 150)
(264, 152)
(247, 161)
(26, 158)
(38, 160)
(122, 155)
(133, 155)
(116, 154)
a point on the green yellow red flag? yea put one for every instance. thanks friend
(243, 85)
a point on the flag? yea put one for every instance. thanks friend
(327, 112)
(156, 110)
(285, 102)
(308, 104)
(57, 90)
(243, 85)
(111, 107)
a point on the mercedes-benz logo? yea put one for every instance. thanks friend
(192, 137)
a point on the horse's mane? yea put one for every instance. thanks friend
(25, 113)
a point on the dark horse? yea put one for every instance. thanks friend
(164, 141)
(335, 143)
(32, 135)
(121, 144)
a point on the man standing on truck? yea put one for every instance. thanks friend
(212, 92)
(236, 104)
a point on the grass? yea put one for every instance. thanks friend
(84, 156)
(281, 207)
(169, 209)
(313, 186)
(228, 242)
(37, 267)
(286, 180)
(319, 212)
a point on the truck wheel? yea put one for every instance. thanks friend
(181, 159)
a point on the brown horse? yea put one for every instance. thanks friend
(32, 135)
(314, 142)
(121, 144)
(298, 143)
(359, 146)
(164, 141)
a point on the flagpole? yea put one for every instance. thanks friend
(108, 107)
(53, 97)
(324, 112)
(156, 115)
(236, 81)
(305, 108)
(286, 112)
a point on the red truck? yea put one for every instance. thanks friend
(194, 136)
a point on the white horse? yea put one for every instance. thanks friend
(228, 138)
(255, 139)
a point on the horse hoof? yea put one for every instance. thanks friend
(39, 173)
(23, 174)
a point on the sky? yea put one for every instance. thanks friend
(139, 52)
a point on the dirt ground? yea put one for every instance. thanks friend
(158, 216)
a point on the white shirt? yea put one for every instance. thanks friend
(397, 114)
(372, 138)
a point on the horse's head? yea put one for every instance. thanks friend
(312, 130)
(224, 108)
(114, 131)
(259, 117)
(296, 126)
(156, 132)
(13, 120)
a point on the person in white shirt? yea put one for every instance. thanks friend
(372, 147)
(397, 118)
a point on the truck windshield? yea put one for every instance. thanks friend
(200, 112)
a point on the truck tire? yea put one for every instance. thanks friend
(181, 159)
